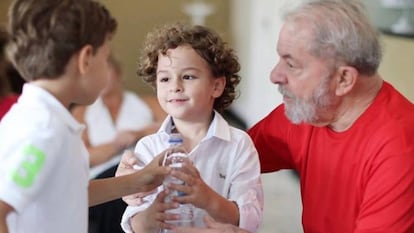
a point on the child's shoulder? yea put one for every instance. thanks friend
(238, 134)
(152, 140)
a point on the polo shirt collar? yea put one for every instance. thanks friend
(35, 95)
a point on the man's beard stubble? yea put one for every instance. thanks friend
(308, 111)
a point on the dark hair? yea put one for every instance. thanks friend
(4, 85)
(10, 79)
(45, 34)
(207, 43)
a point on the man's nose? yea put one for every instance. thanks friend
(277, 76)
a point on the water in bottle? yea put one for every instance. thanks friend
(175, 159)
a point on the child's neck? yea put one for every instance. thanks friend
(113, 103)
(192, 132)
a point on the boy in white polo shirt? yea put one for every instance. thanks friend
(61, 48)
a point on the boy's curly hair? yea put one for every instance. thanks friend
(207, 43)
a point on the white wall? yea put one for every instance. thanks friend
(383, 17)
(256, 26)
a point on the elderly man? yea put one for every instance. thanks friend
(347, 132)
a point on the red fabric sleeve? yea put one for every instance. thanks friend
(6, 103)
(269, 137)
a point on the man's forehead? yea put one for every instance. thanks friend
(291, 40)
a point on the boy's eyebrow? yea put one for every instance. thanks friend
(191, 68)
(162, 71)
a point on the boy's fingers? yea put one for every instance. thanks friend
(159, 158)
(129, 158)
(210, 222)
(126, 164)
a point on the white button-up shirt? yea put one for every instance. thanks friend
(227, 161)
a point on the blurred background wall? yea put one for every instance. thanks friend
(136, 18)
(251, 27)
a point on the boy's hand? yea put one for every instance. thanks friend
(197, 191)
(125, 167)
(152, 175)
(211, 227)
(153, 218)
(5, 209)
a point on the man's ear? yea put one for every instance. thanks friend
(219, 85)
(346, 78)
(84, 58)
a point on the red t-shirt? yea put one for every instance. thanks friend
(360, 180)
(6, 103)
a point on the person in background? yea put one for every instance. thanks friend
(61, 48)
(346, 131)
(115, 122)
(7, 96)
(195, 75)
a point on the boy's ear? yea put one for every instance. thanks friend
(346, 79)
(84, 58)
(219, 85)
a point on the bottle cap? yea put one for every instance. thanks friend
(175, 138)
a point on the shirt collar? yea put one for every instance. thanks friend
(218, 128)
(35, 95)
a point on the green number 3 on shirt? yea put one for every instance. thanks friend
(33, 161)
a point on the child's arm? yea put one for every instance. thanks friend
(5, 209)
(103, 190)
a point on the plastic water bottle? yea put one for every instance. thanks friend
(175, 159)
